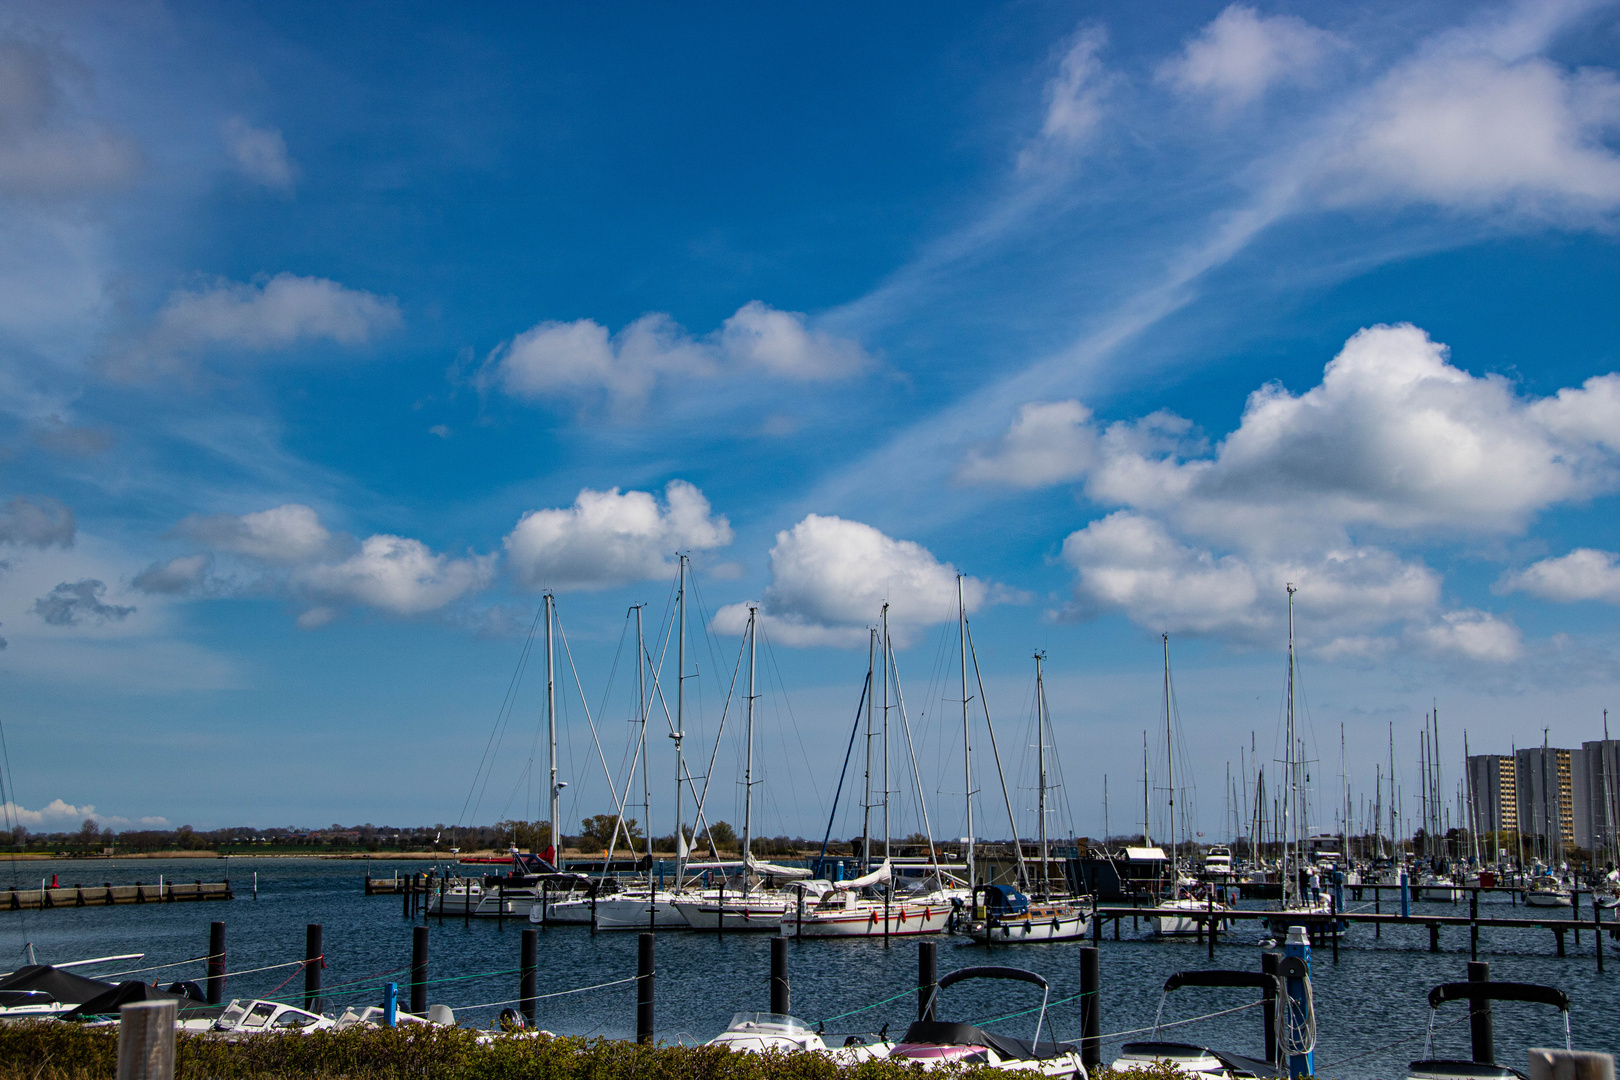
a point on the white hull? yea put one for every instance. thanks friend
(639, 913)
(868, 920)
(575, 912)
(1547, 899)
(1186, 918)
(733, 915)
(481, 905)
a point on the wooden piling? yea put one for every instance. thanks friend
(146, 1040)
(419, 969)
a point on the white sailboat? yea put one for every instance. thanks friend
(1008, 916)
(1191, 909)
(1296, 900)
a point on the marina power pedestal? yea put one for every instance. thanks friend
(1406, 896)
(1299, 1017)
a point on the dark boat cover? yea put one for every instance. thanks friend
(41, 984)
(116, 997)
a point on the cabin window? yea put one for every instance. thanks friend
(260, 1015)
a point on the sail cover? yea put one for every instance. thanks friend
(773, 870)
(882, 873)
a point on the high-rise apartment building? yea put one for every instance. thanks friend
(1493, 785)
(1595, 783)
(1546, 792)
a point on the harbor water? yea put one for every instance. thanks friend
(1371, 1004)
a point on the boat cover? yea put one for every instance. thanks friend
(882, 873)
(773, 870)
(1005, 900)
(942, 1033)
(41, 984)
(117, 997)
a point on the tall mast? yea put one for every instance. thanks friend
(1040, 765)
(1290, 881)
(887, 660)
(680, 723)
(866, 805)
(1147, 841)
(554, 799)
(748, 760)
(646, 783)
(967, 737)
(1170, 761)
(1394, 839)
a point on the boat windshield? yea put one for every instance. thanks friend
(756, 1021)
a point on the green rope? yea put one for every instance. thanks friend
(1026, 1012)
(864, 1008)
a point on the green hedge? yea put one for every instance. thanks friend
(57, 1051)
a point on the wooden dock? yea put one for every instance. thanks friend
(62, 896)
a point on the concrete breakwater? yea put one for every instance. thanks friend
(166, 892)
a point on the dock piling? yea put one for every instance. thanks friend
(419, 969)
(1269, 964)
(1481, 1032)
(405, 895)
(527, 974)
(780, 990)
(1090, 1008)
(146, 1040)
(216, 963)
(1434, 938)
(1597, 933)
(644, 989)
(312, 967)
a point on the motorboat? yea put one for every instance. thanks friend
(1438, 887)
(258, 1016)
(935, 1043)
(1218, 863)
(192, 1011)
(1193, 1059)
(37, 991)
(375, 1016)
(762, 1032)
(1447, 1069)
(1010, 917)
(1547, 891)
(1189, 912)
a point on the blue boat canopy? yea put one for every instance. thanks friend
(1005, 900)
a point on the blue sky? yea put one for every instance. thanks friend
(330, 337)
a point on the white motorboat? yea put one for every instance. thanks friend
(1189, 914)
(39, 991)
(1547, 891)
(1195, 1060)
(1218, 863)
(1011, 918)
(937, 1044)
(1439, 888)
(762, 1032)
(256, 1017)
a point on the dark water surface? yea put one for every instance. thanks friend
(1374, 996)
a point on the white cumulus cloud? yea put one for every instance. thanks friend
(1051, 442)
(283, 534)
(1583, 574)
(1469, 128)
(609, 538)
(260, 154)
(1472, 635)
(830, 578)
(398, 575)
(582, 361)
(1242, 54)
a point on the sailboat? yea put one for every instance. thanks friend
(1009, 916)
(870, 905)
(1191, 907)
(751, 906)
(1295, 899)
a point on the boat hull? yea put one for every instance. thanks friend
(711, 915)
(639, 913)
(1073, 926)
(903, 920)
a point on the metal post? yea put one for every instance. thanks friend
(419, 970)
(1473, 926)
(927, 979)
(1406, 896)
(1298, 946)
(1481, 1036)
(527, 971)
(312, 967)
(1090, 1009)
(146, 1040)
(644, 990)
(391, 1005)
(216, 963)
(779, 976)
(1268, 966)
